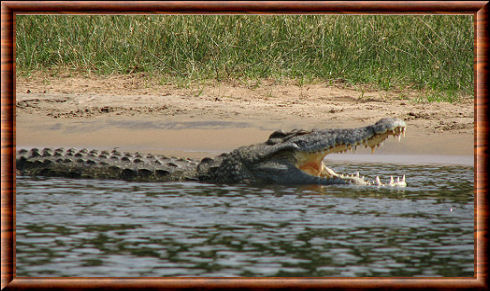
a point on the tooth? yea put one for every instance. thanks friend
(357, 174)
(391, 180)
(378, 181)
(403, 179)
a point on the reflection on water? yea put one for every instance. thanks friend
(69, 227)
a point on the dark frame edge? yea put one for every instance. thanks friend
(246, 7)
(8, 11)
(7, 148)
(81, 283)
(481, 143)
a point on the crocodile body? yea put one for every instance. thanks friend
(294, 157)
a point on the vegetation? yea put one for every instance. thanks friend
(430, 52)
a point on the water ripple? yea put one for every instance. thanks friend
(70, 227)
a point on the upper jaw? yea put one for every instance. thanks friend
(340, 140)
(325, 142)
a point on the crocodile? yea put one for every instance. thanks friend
(292, 157)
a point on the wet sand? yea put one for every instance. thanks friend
(196, 140)
(107, 114)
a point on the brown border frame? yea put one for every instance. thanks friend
(479, 9)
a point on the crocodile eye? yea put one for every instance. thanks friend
(277, 134)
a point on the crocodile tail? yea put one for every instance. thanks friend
(95, 164)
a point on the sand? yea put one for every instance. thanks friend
(137, 113)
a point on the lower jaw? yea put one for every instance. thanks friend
(357, 179)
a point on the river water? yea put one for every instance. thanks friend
(73, 227)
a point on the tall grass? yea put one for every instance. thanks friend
(424, 52)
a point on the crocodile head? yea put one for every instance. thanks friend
(297, 157)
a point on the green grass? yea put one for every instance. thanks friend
(433, 53)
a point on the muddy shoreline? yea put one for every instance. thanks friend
(137, 114)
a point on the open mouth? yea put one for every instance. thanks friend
(312, 162)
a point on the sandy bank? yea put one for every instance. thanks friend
(135, 114)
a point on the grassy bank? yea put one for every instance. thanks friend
(433, 53)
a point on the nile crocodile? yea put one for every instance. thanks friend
(294, 157)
